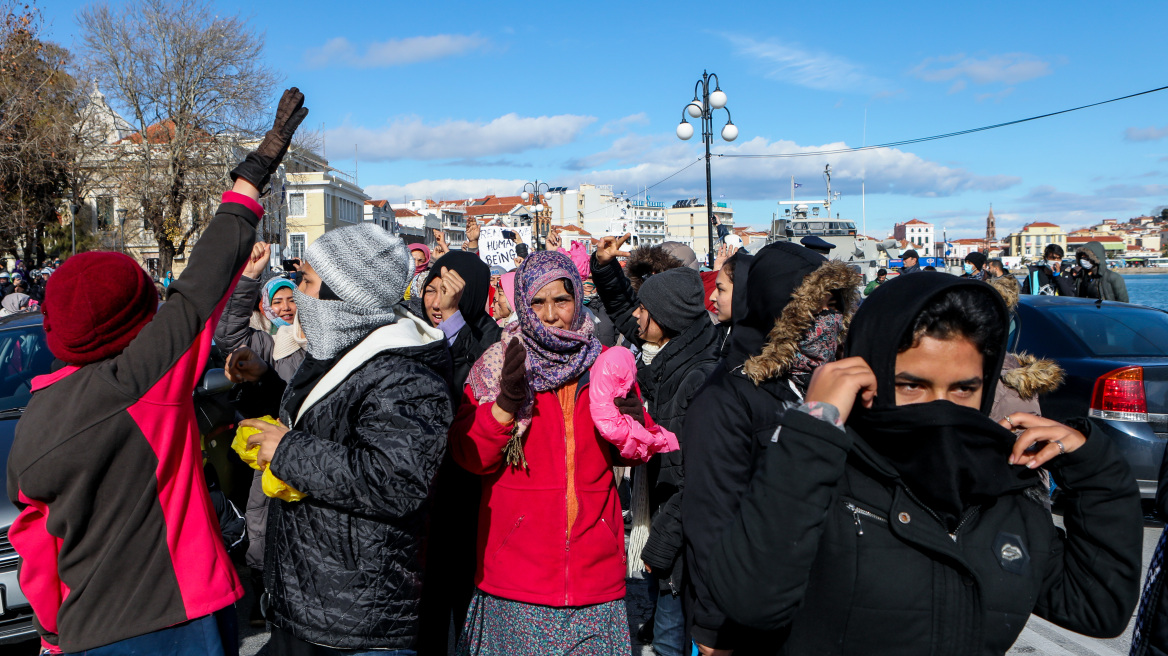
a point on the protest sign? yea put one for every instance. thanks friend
(495, 250)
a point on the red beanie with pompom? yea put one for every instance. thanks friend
(95, 304)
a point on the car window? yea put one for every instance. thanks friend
(24, 354)
(1114, 330)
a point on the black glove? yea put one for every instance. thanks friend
(513, 383)
(631, 405)
(261, 163)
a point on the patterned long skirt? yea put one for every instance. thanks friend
(501, 627)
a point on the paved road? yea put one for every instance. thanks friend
(1039, 638)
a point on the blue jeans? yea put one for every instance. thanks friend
(669, 637)
(199, 637)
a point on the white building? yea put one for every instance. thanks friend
(379, 212)
(920, 235)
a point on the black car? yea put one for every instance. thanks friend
(1116, 360)
(24, 355)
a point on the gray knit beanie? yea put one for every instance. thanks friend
(681, 252)
(674, 298)
(363, 264)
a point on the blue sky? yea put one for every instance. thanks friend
(448, 100)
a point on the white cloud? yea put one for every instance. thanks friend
(411, 139)
(394, 52)
(449, 189)
(623, 124)
(631, 149)
(888, 171)
(1009, 68)
(1145, 134)
(788, 62)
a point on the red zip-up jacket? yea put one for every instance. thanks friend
(117, 533)
(551, 534)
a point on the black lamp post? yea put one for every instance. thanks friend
(703, 106)
(536, 189)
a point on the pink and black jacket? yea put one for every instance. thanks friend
(117, 534)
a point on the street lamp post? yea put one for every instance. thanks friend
(537, 189)
(122, 220)
(703, 106)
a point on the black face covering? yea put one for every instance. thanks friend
(476, 273)
(950, 457)
(763, 285)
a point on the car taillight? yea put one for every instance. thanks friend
(1119, 395)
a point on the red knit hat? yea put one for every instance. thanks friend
(95, 304)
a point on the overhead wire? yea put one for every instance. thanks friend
(905, 142)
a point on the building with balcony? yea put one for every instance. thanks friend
(1033, 238)
(686, 222)
(320, 201)
(649, 218)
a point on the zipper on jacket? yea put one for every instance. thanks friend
(953, 536)
(964, 518)
(858, 512)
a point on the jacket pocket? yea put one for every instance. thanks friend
(617, 539)
(861, 515)
(514, 528)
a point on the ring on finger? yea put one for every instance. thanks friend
(1008, 420)
(1062, 449)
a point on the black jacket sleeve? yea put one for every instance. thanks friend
(620, 301)
(192, 309)
(665, 537)
(385, 469)
(759, 569)
(234, 329)
(717, 447)
(1094, 580)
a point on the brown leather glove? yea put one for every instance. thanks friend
(513, 383)
(262, 162)
(631, 405)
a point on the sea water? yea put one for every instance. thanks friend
(1148, 289)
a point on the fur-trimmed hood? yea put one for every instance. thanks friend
(1095, 252)
(1030, 376)
(646, 261)
(832, 277)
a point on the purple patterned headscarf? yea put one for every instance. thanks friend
(555, 356)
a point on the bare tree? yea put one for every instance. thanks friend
(37, 104)
(195, 88)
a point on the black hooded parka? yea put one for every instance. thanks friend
(832, 552)
(724, 442)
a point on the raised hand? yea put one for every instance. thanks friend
(553, 240)
(1044, 438)
(610, 247)
(451, 292)
(841, 383)
(262, 162)
(723, 255)
(440, 245)
(473, 230)
(261, 254)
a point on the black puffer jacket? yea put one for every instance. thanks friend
(343, 565)
(840, 558)
(667, 385)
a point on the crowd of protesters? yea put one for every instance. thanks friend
(484, 458)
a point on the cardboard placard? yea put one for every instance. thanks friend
(495, 250)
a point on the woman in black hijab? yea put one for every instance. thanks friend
(891, 515)
(458, 279)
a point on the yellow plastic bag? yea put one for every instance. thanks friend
(273, 487)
